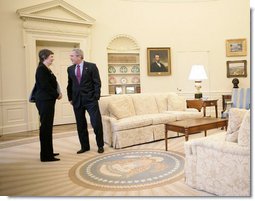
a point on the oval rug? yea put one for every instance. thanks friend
(128, 170)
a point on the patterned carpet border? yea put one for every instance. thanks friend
(128, 170)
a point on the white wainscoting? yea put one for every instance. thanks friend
(14, 116)
(15, 112)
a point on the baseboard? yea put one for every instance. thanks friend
(17, 128)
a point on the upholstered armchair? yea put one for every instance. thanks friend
(220, 163)
(240, 98)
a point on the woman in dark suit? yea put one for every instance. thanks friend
(45, 98)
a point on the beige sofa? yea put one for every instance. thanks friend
(220, 164)
(139, 118)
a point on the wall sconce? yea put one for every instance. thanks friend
(198, 74)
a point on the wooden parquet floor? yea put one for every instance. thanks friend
(22, 173)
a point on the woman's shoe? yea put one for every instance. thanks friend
(55, 154)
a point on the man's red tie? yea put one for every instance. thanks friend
(78, 74)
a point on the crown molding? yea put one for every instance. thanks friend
(42, 12)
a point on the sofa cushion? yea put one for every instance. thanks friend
(161, 118)
(131, 122)
(176, 103)
(145, 104)
(235, 119)
(244, 131)
(161, 100)
(121, 107)
(232, 137)
(187, 114)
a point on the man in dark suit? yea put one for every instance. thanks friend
(157, 66)
(83, 90)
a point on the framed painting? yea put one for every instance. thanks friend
(236, 47)
(118, 90)
(237, 68)
(159, 61)
(130, 90)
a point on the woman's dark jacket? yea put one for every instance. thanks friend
(46, 84)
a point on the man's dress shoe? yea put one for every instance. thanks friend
(83, 150)
(50, 159)
(100, 150)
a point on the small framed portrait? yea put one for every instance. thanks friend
(158, 61)
(236, 47)
(130, 90)
(237, 68)
(118, 90)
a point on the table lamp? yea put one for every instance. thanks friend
(197, 74)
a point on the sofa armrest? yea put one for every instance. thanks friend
(218, 167)
(108, 118)
(192, 110)
(221, 146)
(107, 128)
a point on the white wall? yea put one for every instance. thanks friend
(185, 26)
(197, 26)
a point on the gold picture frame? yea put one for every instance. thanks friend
(159, 61)
(236, 47)
(237, 68)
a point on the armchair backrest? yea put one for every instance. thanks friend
(241, 98)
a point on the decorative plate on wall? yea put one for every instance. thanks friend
(111, 69)
(135, 69)
(123, 80)
(112, 80)
(135, 80)
(123, 69)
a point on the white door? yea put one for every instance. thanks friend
(63, 110)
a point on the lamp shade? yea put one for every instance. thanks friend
(197, 73)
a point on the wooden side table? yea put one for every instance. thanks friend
(196, 103)
(199, 104)
(209, 103)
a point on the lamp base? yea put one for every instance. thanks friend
(198, 95)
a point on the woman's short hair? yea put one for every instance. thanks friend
(44, 54)
(78, 52)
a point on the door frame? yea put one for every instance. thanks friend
(41, 24)
(59, 68)
(31, 63)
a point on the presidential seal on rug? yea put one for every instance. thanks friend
(129, 170)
